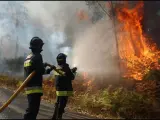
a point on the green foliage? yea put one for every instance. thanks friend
(120, 102)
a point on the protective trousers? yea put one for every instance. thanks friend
(60, 105)
(33, 106)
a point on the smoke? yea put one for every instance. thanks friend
(95, 50)
(51, 21)
(90, 47)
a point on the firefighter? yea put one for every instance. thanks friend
(63, 84)
(33, 89)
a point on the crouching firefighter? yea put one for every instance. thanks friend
(63, 84)
(33, 89)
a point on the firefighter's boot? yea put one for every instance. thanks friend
(55, 115)
(60, 112)
(60, 117)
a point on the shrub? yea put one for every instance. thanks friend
(112, 102)
(119, 102)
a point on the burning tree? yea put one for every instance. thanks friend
(138, 53)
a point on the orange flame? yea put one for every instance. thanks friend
(134, 49)
(138, 53)
(89, 82)
(87, 79)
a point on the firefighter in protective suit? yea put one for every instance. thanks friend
(63, 84)
(33, 89)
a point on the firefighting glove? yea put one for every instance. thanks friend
(48, 71)
(74, 69)
(53, 67)
(45, 64)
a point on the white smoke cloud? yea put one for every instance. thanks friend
(95, 50)
(45, 19)
(87, 46)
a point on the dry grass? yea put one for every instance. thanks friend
(9, 82)
(110, 102)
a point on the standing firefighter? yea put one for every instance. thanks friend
(34, 62)
(63, 84)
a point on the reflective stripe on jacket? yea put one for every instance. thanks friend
(56, 73)
(27, 63)
(35, 89)
(64, 93)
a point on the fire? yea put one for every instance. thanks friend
(137, 52)
(89, 82)
(87, 79)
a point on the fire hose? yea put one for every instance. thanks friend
(5, 105)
